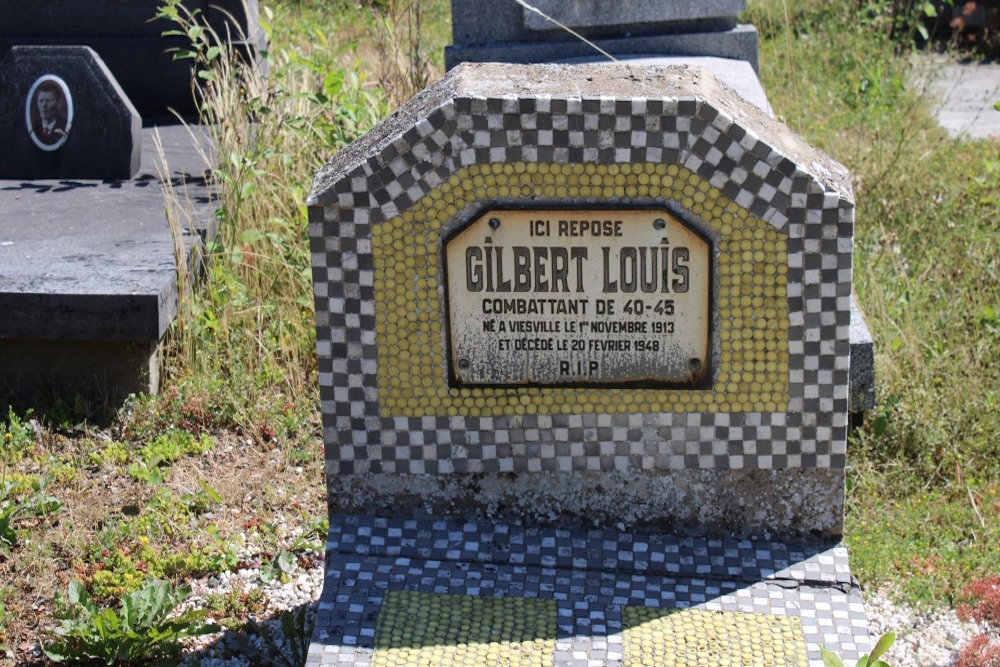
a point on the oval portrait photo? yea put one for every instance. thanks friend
(48, 112)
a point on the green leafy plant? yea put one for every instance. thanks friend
(202, 501)
(143, 630)
(4, 619)
(831, 659)
(233, 608)
(16, 435)
(295, 626)
(13, 508)
(279, 568)
(164, 451)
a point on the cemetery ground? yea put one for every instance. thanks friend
(222, 472)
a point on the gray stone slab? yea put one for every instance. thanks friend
(738, 43)
(105, 371)
(130, 41)
(862, 378)
(625, 13)
(95, 130)
(94, 260)
(962, 95)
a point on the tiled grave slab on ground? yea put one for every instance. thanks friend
(402, 591)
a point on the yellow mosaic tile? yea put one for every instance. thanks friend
(453, 630)
(752, 374)
(698, 638)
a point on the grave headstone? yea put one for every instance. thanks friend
(583, 336)
(129, 38)
(590, 295)
(63, 115)
(508, 31)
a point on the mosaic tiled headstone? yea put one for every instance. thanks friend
(756, 445)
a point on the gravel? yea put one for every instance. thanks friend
(922, 639)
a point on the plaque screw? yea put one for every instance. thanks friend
(463, 364)
(659, 223)
(494, 223)
(695, 365)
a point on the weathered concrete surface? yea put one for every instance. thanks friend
(802, 504)
(737, 74)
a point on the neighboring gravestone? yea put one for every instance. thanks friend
(508, 31)
(129, 38)
(592, 295)
(63, 115)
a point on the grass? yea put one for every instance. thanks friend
(223, 469)
(922, 497)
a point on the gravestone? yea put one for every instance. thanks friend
(129, 38)
(735, 425)
(507, 31)
(583, 340)
(63, 115)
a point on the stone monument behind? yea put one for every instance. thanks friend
(129, 39)
(63, 115)
(508, 31)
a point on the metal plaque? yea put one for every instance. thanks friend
(567, 297)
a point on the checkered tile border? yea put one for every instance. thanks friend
(589, 600)
(483, 542)
(451, 130)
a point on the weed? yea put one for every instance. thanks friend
(980, 651)
(172, 445)
(143, 629)
(233, 608)
(16, 437)
(884, 643)
(313, 535)
(113, 454)
(4, 619)
(15, 507)
(397, 33)
(295, 627)
(279, 568)
(202, 501)
(980, 601)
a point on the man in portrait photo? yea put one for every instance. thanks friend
(49, 113)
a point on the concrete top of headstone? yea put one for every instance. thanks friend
(102, 138)
(94, 260)
(624, 13)
(737, 74)
(621, 80)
